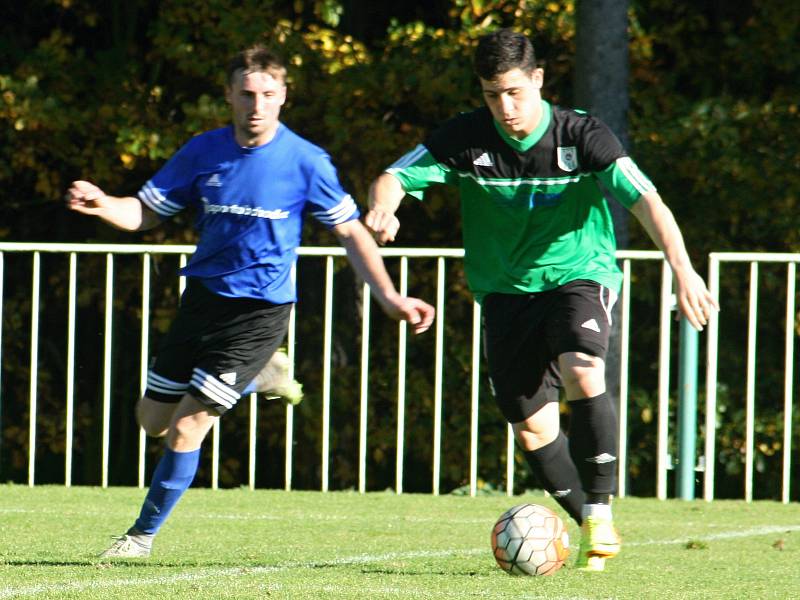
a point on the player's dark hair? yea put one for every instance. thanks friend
(257, 58)
(503, 51)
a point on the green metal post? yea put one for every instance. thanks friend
(687, 410)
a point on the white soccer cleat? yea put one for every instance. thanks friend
(273, 381)
(130, 545)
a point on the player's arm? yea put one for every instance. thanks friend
(694, 299)
(126, 213)
(362, 252)
(385, 195)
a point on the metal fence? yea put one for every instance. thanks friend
(404, 256)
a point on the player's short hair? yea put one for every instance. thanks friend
(259, 59)
(503, 51)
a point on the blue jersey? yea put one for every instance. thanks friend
(250, 204)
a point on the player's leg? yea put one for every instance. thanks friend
(155, 416)
(593, 445)
(167, 385)
(581, 333)
(240, 336)
(174, 473)
(525, 384)
(593, 427)
(546, 451)
(228, 341)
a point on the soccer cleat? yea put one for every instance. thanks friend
(132, 544)
(599, 541)
(590, 563)
(273, 381)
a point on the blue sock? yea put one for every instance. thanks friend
(172, 477)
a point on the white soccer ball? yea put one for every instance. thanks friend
(529, 539)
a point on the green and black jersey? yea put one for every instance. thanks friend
(534, 215)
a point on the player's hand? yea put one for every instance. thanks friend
(694, 300)
(382, 225)
(413, 310)
(85, 197)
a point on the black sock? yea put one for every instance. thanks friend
(556, 472)
(593, 446)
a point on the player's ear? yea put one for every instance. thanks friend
(228, 94)
(537, 75)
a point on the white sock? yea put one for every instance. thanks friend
(600, 511)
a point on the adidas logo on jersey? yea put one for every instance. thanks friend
(592, 325)
(483, 161)
(214, 181)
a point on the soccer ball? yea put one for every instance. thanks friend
(529, 539)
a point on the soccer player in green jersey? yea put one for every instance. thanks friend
(539, 256)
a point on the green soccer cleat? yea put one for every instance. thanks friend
(132, 544)
(273, 381)
(590, 563)
(599, 541)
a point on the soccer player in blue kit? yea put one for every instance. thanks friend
(251, 184)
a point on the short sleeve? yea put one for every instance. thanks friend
(418, 169)
(625, 181)
(169, 190)
(598, 145)
(328, 202)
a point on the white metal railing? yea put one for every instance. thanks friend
(754, 260)
(73, 251)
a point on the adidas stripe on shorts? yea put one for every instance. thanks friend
(215, 347)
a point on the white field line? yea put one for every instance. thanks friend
(262, 517)
(237, 572)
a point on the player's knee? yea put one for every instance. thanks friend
(533, 440)
(187, 431)
(582, 375)
(540, 429)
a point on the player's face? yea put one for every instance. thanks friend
(256, 98)
(515, 100)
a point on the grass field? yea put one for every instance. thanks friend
(309, 545)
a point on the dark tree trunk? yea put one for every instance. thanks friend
(601, 76)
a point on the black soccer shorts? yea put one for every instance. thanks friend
(215, 347)
(525, 333)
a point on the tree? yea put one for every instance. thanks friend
(601, 87)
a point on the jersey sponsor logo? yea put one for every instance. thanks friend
(567, 158)
(214, 181)
(592, 325)
(484, 160)
(539, 199)
(229, 378)
(248, 211)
